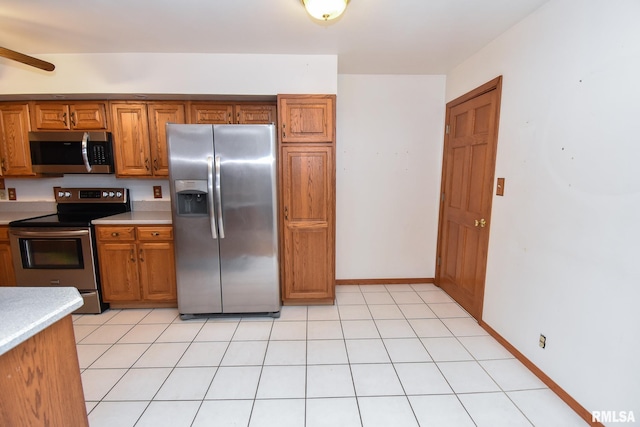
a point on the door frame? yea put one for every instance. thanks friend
(495, 84)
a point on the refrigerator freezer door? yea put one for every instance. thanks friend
(197, 252)
(249, 249)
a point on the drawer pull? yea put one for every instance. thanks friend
(155, 233)
(115, 234)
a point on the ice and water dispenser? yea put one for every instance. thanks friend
(192, 196)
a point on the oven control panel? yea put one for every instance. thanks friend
(90, 195)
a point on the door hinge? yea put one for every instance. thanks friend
(447, 129)
(438, 261)
(442, 197)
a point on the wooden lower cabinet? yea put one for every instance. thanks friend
(308, 207)
(137, 264)
(7, 275)
(40, 381)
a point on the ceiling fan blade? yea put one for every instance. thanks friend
(26, 59)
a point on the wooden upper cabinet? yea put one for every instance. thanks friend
(216, 113)
(307, 118)
(131, 139)
(15, 155)
(211, 113)
(73, 116)
(255, 114)
(161, 113)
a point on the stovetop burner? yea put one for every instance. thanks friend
(77, 207)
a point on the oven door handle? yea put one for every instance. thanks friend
(43, 234)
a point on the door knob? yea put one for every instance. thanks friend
(480, 222)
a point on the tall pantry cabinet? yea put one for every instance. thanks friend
(307, 175)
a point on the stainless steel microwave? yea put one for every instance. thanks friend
(71, 152)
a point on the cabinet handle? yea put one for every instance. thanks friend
(155, 233)
(3, 166)
(141, 255)
(229, 118)
(115, 234)
(146, 163)
(238, 117)
(73, 118)
(64, 119)
(286, 213)
(155, 164)
(133, 256)
(284, 133)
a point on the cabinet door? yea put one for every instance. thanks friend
(250, 114)
(15, 156)
(51, 116)
(157, 271)
(7, 276)
(88, 115)
(308, 203)
(306, 118)
(131, 139)
(211, 113)
(161, 113)
(119, 271)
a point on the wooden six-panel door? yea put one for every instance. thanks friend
(467, 186)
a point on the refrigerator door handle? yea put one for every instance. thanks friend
(212, 212)
(219, 198)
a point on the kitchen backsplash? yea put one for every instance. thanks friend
(41, 189)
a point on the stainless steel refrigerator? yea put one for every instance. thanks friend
(222, 180)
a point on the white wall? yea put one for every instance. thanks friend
(565, 238)
(173, 73)
(389, 157)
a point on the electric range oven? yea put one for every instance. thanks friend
(59, 249)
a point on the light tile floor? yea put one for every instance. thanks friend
(384, 355)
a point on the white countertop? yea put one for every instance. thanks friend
(26, 311)
(7, 217)
(136, 217)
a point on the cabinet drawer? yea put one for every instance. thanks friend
(4, 233)
(116, 233)
(155, 233)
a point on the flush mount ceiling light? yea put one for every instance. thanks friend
(325, 9)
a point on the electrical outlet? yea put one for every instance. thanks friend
(543, 341)
(157, 192)
(3, 194)
(12, 193)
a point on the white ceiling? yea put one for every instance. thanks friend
(373, 36)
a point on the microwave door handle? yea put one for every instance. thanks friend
(85, 157)
(212, 212)
(219, 198)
